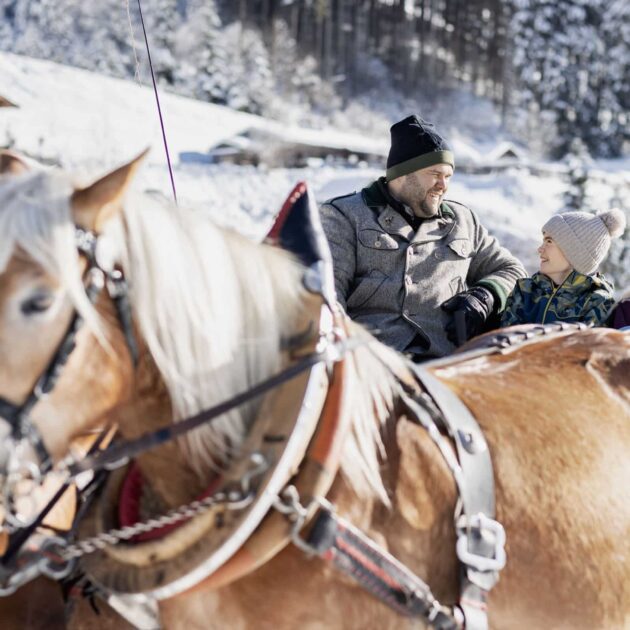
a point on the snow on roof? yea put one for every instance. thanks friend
(329, 138)
(72, 116)
(505, 150)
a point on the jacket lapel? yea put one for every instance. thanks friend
(393, 223)
(434, 229)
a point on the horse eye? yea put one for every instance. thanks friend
(37, 304)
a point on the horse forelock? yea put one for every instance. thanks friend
(35, 216)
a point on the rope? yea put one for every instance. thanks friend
(157, 100)
(136, 68)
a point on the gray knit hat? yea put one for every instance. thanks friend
(584, 238)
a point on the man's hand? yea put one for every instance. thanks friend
(476, 305)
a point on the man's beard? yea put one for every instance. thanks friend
(426, 208)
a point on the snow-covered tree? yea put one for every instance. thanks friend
(251, 79)
(615, 94)
(560, 64)
(578, 161)
(162, 19)
(617, 264)
(203, 65)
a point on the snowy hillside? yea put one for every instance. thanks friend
(88, 123)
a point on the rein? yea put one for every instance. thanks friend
(118, 454)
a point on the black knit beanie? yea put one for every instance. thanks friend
(415, 145)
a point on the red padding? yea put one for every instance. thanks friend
(129, 504)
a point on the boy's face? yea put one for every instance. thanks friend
(552, 260)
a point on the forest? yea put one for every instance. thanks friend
(556, 70)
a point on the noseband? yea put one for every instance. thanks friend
(96, 279)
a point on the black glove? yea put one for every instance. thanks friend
(476, 304)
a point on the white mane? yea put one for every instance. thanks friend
(211, 306)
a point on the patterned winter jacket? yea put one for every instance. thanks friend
(580, 298)
(393, 278)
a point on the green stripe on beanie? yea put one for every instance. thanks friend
(419, 162)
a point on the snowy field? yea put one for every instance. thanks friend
(88, 123)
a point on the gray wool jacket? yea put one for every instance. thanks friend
(393, 279)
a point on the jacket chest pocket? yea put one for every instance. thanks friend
(377, 240)
(456, 250)
(378, 250)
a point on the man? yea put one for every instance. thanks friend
(405, 261)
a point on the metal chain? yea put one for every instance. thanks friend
(55, 558)
(233, 500)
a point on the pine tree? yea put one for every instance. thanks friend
(202, 60)
(250, 79)
(8, 14)
(576, 195)
(615, 96)
(162, 20)
(560, 66)
(617, 264)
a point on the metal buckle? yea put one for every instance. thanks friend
(491, 532)
(288, 503)
(46, 560)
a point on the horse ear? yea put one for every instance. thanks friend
(101, 201)
(12, 164)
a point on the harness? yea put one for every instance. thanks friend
(259, 508)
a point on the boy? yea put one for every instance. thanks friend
(567, 287)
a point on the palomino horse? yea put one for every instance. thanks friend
(214, 315)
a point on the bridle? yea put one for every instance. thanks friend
(97, 277)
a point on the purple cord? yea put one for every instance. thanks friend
(157, 100)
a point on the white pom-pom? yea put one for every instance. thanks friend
(614, 220)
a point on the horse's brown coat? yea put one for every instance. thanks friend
(561, 465)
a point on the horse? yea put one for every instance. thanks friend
(213, 315)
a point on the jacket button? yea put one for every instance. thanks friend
(407, 280)
(406, 312)
(377, 244)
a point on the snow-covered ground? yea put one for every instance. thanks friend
(88, 123)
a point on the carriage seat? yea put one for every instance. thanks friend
(298, 229)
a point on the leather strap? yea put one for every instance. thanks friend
(335, 540)
(480, 538)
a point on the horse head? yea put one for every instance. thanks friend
(201, 318)
(47, 227)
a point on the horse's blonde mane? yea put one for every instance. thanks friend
(211, 306)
